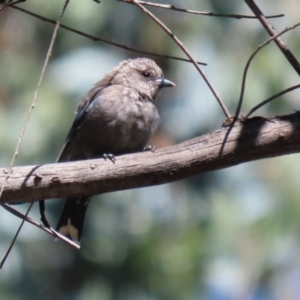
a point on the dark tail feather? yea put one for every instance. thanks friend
(72, 218)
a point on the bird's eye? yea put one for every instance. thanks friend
(146, 74)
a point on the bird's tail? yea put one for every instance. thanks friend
(72, 218)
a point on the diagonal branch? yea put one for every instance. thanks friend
(255, 108)
(10, 3)
(16, 235)
(50, 231)
(239, 106)
(254, 139)
(270, 29)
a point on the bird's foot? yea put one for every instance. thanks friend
(109, 156)
(149, 148)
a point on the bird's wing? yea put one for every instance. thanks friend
(82, 111)
(78, 121)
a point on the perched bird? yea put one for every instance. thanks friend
(117, 116)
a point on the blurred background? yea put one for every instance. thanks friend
(230, 234)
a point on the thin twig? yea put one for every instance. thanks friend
(270, 99)
(50, 231)
(185, 50)
(15, 237)
(203, 13)
(97, 39)
(238, 109)
(10, 3)
(269, 28)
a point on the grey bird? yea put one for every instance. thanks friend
(117, 116)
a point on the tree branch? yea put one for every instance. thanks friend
(253, 139)
(203, 13)
(271, 31)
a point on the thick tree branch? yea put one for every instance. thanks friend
(253, 139)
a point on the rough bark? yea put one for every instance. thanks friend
(254, 139)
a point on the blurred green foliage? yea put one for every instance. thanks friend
(231, 234)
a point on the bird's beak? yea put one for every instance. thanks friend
(163, 82)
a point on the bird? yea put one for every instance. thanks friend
(117, 116)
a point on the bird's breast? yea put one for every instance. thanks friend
(137, 122)
(119, 121)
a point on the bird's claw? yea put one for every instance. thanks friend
(149, 148)
(109, 156)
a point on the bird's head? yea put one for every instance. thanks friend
(142, 74)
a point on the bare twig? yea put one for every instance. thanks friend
(185, 50)
(203, 13)
(10, 3)
(15, 237)
(270, 99)
(50, 231)
(97, 39)
(269, 28)
(238, 109)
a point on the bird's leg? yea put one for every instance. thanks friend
(149, 148)
(109, 156)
